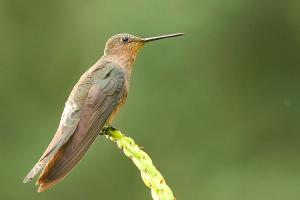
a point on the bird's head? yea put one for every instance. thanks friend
(128, 45)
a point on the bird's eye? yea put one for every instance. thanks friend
(125, 39)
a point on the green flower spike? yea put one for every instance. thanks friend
(150, 175)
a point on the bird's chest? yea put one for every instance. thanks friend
(118, 106)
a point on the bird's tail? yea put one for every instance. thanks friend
(63, 162)
(38, 166)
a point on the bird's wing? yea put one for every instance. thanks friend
(103, 96)
(68, 123)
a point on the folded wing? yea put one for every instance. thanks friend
(103, 96)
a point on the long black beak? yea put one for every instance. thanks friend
(161, 37)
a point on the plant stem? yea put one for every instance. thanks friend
(150, 175)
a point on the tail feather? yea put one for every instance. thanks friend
(63, 162)
(58, 140)
(39, 165)
(35, 170)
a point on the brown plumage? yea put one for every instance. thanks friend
(93, 102)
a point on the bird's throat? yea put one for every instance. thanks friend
(125, 61)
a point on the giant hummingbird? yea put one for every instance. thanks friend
(92, 104)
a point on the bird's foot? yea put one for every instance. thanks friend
(106, 129)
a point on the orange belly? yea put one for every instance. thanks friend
(117, 108)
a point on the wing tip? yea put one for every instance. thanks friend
(41, 189)
(44, 184)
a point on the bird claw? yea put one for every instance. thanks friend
(106, 129)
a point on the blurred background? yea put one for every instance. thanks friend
(218, 109)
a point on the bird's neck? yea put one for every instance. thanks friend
(125, 61)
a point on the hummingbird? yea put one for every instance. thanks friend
(93, 103)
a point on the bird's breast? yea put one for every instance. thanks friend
(118, 106)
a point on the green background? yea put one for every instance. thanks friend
(218, 109)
